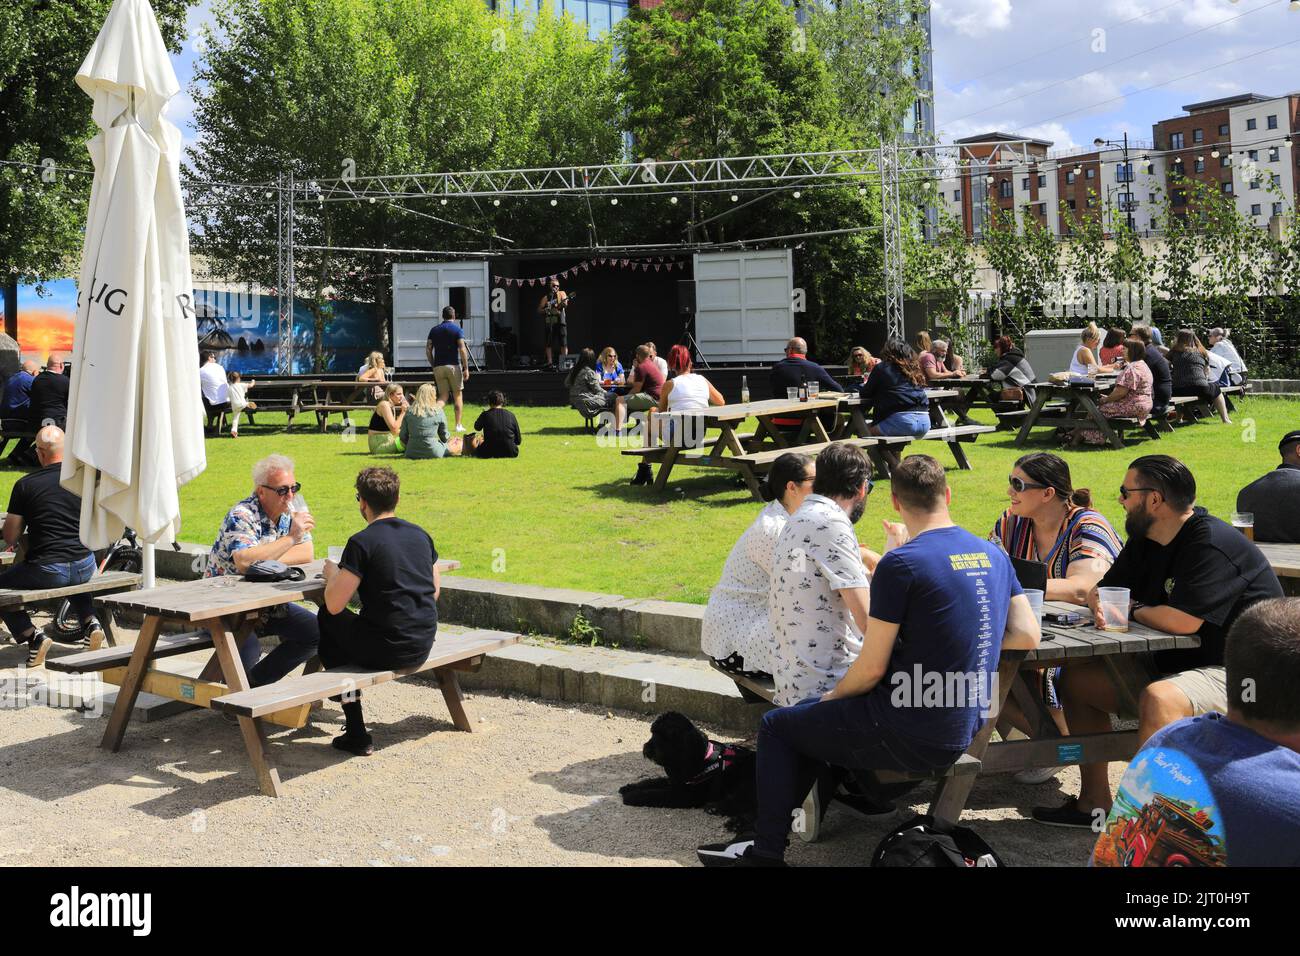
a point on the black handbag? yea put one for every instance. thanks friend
(273, 571)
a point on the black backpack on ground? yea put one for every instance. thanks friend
(923, 841)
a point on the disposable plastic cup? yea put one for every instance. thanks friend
(1035, 601)
(335, 554)
(792, 394)
(1114, 607)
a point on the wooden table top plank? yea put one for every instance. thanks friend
(1283, 558)
(766, 408)
(207, 598)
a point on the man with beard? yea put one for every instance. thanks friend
(942, 607)
(1187, 572)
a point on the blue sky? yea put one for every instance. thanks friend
(1062, 70)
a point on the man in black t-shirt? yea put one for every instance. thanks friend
(392, 567)
(1187, 572)
(51, 517)
(49, 395)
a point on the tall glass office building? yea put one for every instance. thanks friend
(599, 15)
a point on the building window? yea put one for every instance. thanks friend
(1042, 181)
(1253, 155)
(956, 195)
(1255, 209)
(1252, 124)
(1273, 154)
(1226, 188)
(1069, 178)
(1272, 121)
(1092, 200)
(1024, 184)
(1223, 129)
(1124, 173)
(1199, 165)
(1005, 188)
(1175, 140)
(1198, 136)
(1070, 203)
(1254, 183)
(1225, 160)
(1152, 196)
(1277, 179)
(1152, 227)
(1090, 172)
(1179, 197)
(1277, 209)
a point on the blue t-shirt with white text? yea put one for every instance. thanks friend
(949, 591)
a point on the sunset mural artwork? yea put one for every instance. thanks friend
(46, 314)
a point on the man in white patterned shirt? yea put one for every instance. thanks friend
(819, 603)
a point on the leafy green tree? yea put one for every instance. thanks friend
(45, 120)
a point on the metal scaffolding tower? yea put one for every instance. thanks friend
(891, 221)
(285, 284)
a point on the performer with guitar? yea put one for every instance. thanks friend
(552, 307)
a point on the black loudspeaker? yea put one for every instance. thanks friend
(686, 296)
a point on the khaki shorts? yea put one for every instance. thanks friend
(1205, 687)
(447, 379)
(641, 402)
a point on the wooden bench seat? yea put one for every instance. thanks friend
(649, 451)
(168, 645)
(110, 582)
(759, 689)
(450, 652)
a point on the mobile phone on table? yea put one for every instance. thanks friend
(1062, 617)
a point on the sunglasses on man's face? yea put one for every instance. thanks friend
(1125, 492)
(284, 491)
(1019, 484)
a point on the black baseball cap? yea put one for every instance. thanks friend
(1290, 438)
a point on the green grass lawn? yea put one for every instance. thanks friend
(564, 515)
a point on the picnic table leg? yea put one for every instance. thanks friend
(817, 428)
(450, 686)
(751, 481)
(952, 793)
(232, 668)
(878, 461)
(777, 438)
(858, 423)
(665, 468)
(1103, 423)
(129, 691)
(959, 454)
(1032, 418)
(106, 622)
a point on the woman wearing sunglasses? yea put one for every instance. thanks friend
(1052, 522)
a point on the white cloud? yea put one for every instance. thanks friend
(1054, 133)
(973, 18)
(1121, 11)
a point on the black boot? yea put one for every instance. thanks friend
(644, 475)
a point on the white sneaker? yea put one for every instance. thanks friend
(460, 428)
(1036, 775)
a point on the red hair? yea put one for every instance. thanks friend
(1003, 344)
(679, 359)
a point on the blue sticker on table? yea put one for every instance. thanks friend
(1069, 753)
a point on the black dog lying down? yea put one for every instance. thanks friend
(701, 773)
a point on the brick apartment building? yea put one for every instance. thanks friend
(1238, 145)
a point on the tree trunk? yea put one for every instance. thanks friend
(11, 308)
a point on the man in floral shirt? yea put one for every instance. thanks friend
(262, 528)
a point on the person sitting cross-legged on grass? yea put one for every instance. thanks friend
(1225, 790)
(942, 607)
(262, 527)
(50, 515)
(424, 429)
(392, 566)
(1187, 572)
(496, 431)
(385, 429)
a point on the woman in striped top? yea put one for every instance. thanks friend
(1052, 522)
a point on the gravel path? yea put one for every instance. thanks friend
(536, 784)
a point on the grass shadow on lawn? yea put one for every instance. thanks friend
(715, 491)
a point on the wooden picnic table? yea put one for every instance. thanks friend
(1076, 407)
(222, 614)
(1062, 646)
(1283, 558)
(727, 419)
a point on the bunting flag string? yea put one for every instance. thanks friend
(659, 262)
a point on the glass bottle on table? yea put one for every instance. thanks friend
(744, 389)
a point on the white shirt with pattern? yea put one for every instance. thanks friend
(735, 620)
(815, 637)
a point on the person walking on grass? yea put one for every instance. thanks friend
(391, 566)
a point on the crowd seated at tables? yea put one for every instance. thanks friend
(860, 625)
(1273, 500)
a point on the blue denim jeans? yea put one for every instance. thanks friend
(30, 577)
(796, 743)
(915, 424)
(299, 636)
